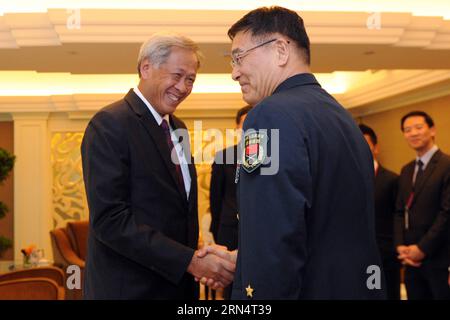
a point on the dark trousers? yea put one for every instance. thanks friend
(227, 292)
(426, 282)
(228, 237)
(391, 268)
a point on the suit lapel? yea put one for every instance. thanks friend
(409, 172)
(428, 171)
(192, 172)
(379, 175)
(176, 124)
(156, 133)
(380, 172)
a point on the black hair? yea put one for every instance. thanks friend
(241, 112)
(366, 130)
(423, 114)
(267, 20)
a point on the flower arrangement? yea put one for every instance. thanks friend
(30, 255)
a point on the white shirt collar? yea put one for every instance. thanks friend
(427, 156)
(155, 114)
(375, 165)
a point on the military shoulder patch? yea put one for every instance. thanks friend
(255, 145)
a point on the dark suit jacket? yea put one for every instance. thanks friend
(429, 214)
(224, 222)
(385, 198)
(307, 232)
(143, 230)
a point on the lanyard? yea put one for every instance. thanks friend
(407, 208)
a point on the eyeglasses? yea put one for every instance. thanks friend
(237, 59)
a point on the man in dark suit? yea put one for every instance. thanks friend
(385, 197)
(422, 211)
(224, 217)
(305, 185)
(141, 186)
(222, 195)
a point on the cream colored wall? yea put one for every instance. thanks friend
(394, 152)
(32, 183)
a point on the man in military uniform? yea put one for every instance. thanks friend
(305, 185)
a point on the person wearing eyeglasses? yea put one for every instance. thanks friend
(422, 212)
(305, 183)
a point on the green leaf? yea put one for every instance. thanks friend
(3, 210)
(6, 164)
(5, 244)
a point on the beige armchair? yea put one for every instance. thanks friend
(69, 248)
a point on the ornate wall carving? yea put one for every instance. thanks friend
(69, 197)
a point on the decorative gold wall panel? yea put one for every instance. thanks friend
(69, 198)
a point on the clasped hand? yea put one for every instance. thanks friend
(410, 255)
(213, 266)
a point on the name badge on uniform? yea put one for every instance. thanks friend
(255, 144)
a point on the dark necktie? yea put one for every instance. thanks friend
(165, 127)
(419, 174)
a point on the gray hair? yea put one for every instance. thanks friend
(157, 49)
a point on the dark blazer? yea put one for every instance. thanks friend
(385, 198)
(430, 210)
(307, 232)
(224, 221)
(143, 229)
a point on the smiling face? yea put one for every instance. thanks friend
(257, 70)
(418, 134)
(168, 85)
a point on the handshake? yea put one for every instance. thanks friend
(213, 266)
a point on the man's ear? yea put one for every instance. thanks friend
(376, 150)
(145, 69)
(283, 52)
(433, 132)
